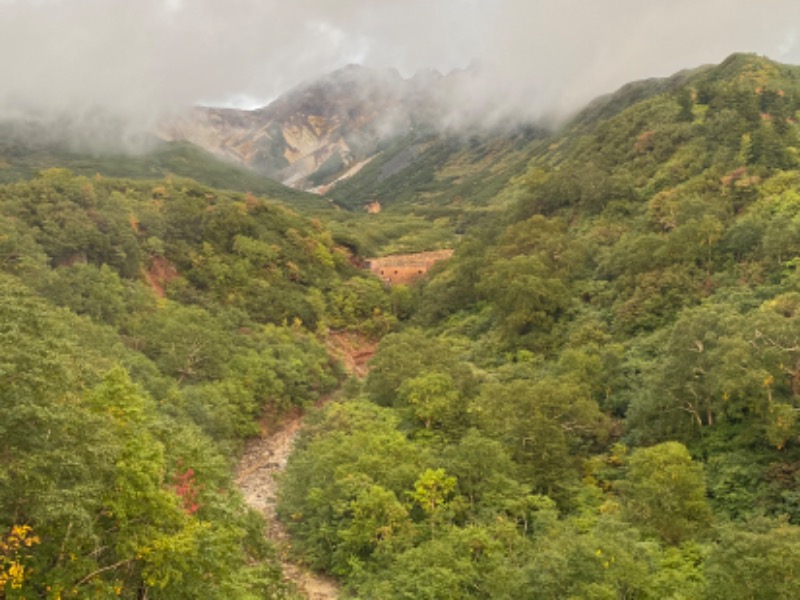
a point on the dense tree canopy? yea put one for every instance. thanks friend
(596, 397)
(145, 328)
(601, 391)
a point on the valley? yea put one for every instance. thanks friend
(531, 360)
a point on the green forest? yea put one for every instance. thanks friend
(596, 397)
(145, 327)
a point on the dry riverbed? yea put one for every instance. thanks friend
(266, 456)
(263, 458)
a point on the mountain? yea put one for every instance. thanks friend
(315, 131)
(328, 130)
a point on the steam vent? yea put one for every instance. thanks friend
(405, 268)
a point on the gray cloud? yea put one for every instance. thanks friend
(141, 57)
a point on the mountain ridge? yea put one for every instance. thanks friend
(312, 135)
(329, 123)
(321, 132)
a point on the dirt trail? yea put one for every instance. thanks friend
(266, 456)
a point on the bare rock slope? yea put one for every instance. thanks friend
(313, 134)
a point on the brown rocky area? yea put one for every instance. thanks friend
(264, 458)
(406, 268)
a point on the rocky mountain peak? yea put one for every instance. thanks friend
(318, 131)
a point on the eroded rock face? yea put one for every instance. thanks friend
(312, 135)
(326, 130)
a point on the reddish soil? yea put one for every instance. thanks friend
(406, 268)
(353, 349)
(159, 274)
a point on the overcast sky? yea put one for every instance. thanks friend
(138, 56)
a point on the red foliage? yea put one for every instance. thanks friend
(187, 488)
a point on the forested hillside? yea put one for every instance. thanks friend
(146, 327)
(596, 397)
(599, 396)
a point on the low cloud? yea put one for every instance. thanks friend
(136, 59)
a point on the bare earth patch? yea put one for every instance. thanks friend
(266, 456)
(159, 274)
(353, 349)
(263, 458)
